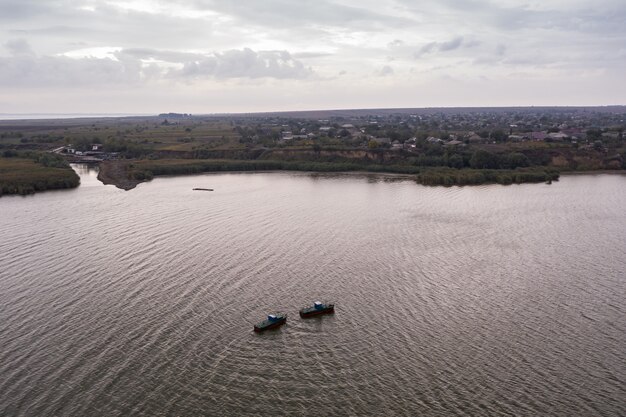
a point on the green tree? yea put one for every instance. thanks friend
(499, 135)
(455, 161)
(484, 160)
(515, 160)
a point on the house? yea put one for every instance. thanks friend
(610, 135)
(557, 136)
(382, 141)
(474, 138)
(516, 138)
(538, 135)
(96, 147)
(432, 139)
(453, 143)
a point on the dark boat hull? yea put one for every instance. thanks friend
(314, 313)
(274, 325)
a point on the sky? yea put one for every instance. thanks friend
(216, 56)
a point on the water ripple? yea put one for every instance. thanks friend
(451, 301)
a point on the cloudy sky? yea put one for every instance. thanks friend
(206, 56)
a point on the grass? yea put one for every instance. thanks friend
(146, 169)
(449, 176)
(25, 176)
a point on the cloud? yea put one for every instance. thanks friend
(450, 45)
(187, 45)
(290, 14)
(440, 46)
(49, 71)
(139, 65)
(306, 55)
(11, 9)
(19, 47)
(159, 55)
(245, 63)
(386, 71)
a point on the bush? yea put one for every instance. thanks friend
(484, 160)
(447, 176)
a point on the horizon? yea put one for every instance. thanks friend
(75, 115)
(141, 56)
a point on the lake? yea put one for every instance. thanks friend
(485, 300)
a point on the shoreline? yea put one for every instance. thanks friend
(127, 174)
(115, 173)
(596, 172)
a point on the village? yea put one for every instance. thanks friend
(563, 138)
(449, 129)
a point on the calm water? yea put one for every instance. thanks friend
(475, 301)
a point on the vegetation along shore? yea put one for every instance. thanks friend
(27, 173)
(435, 146)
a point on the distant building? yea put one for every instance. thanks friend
(382, 141)
(475, 138)
(453, 143)
(96, 147)
(557, 136)
(610, 135)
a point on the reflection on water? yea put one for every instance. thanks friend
(486, 300)
(88, 174)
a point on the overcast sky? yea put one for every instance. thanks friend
(206, 56)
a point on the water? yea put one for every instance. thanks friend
(50, 116)
(486, 300)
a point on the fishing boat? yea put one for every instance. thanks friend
(272, 321)
(202, 189)
(317, 309)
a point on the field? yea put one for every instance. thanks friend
(151, 134)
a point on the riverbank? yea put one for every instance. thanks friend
(24, 176)
(596, 172)
(127, 175)
(450, 176)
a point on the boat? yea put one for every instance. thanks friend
(317, 309)
(273, 321)
(202, 189)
